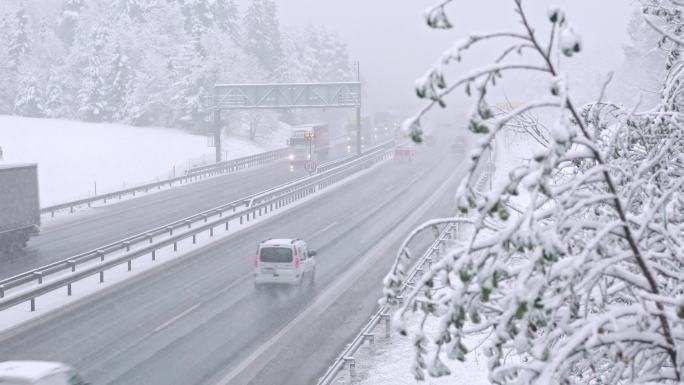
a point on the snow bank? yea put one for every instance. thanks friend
(73, 156)
(394, 357)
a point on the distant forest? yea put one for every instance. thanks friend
(150, 62)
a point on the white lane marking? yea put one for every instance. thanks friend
(336, 289)
(323, 230)
(194, 307)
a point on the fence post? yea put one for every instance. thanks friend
(371, 342)
(386, 318)
(352, 368)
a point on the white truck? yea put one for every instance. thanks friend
(308, 142)
(19, 206)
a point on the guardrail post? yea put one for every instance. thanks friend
(130, 264)
(72, 263)
(205, 218)
(154, 255)
(101, 254)
(240, 219)
(175, 246)
(220, 213)
(170, 229)
(150, 237)
(2, 291)
(227, 225)
(194, 238)
(259, 211)
(69, 289)
(188, 223)
(101, 276)
(370, 337)
(128, 245)
(71, 209)
(33, 304)
(352, 368)
(253, 214)
(39, 275)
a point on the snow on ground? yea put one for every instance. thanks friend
(391, 364)
(74, 156)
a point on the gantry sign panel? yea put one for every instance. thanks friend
(287, 95)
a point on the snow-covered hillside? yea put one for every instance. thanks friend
(73, 156)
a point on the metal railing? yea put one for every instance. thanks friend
(192, 226)
(191, 175)
(367, 333)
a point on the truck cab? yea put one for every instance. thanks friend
(308, 142)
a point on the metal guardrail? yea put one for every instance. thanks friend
(346, 358)
(277, 199)
(231, 165)
(383, 314)
(192, 175)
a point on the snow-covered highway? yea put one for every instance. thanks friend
(198, 320)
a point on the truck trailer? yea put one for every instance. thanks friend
(19, 206)
(309, 142)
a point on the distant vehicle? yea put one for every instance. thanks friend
(38, 373)
(283, 261)
(403, 154)
(19, 205)
(385, 123)
(367, 135)
(309, 142)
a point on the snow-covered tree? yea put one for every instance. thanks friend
(573, 267)
(29, 99)
(19, 41)
(68, 20)
(92, 95)
(53, 102)
(262, 34)
(118, 85)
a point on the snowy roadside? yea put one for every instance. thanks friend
(391, 360)
(106, 157)
(391, 364)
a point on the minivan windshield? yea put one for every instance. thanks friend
(275, 255)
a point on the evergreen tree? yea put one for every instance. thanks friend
(19, 40)
(28, 100)
(92, 95)
(262, 34)
(68, 20)
(119, 85)
(52, 104)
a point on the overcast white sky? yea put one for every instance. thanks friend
(394, 45)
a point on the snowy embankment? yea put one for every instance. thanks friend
(76, 158)
(395, 356)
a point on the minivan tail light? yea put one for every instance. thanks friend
(256, 261)
(296, 262)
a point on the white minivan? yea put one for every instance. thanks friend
(283, 261)
(38, 373)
